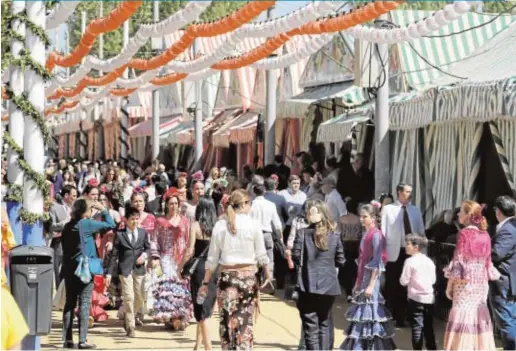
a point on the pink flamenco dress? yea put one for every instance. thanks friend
(172, 303)
(469, 323)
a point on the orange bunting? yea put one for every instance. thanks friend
(60, 109)
(88, 82)
(246, 13)
(99, 26)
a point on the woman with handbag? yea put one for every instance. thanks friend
(193, 264)
(317, 252)
(80, 263)
(172, 304)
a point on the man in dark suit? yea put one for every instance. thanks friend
(60, 214)
(154, 206)
(503, 254)
(131, 248)
(283, 172)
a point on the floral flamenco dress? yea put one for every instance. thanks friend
(369, 327)
(469, 323)
(172, 299)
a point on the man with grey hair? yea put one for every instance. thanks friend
(265, 212)
(502, 293)
(333, 200)
(275, 198)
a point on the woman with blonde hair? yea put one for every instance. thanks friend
(213, 176)
(469, 323)
(237, 248)
(317, 253)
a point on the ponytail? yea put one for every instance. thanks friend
(236, 200)
(231, 217)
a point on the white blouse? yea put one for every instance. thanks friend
(246, 247)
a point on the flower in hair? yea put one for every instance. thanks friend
(104, 189)
(198, 176)
(275, 177)
(476, 219)
(93, 182)
(182, 175)
(224, 200)
(138, 190)
(376, 204)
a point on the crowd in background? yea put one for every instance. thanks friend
(166, 245)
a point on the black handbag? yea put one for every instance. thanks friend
(299, 268)
(279, 246)
(191, 265)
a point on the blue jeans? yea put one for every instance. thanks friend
(504, 311)
(75, 288)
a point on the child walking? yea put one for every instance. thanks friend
(419, 277)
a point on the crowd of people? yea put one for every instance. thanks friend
(167, 246)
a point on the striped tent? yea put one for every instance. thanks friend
(420, 56)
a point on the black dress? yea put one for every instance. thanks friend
(201, 312)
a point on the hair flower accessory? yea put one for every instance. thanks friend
(138, 190)
(198, 176)
(182, 175)
(93, 182)
(376, 204)
(224, 200)
(104, 189)
(476, 219)
(275, 177)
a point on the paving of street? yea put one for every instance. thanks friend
(278, 327)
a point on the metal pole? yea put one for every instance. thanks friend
(83, 152)
(382, 150)
(155, 103)
(33, 145)
(16, 122)
(198, 115)
(270, 110)
(124, 150)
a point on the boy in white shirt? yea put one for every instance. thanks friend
(419, 277)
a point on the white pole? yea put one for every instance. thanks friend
(124, 150)
(83, 152)
(155, 103)
(198, 114)
(33, 145)
(270, 110)
(16, 122)
(382, 155)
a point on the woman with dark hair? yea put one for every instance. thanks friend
(369, 327)
(172, 240)
(81, 229)
(200, 235)
(469, 323)
(188, 206)
(68, 178)
(318, 252)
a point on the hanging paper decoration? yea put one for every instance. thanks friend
(101, 25)
(60, 13)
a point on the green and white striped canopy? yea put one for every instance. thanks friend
(441, 52)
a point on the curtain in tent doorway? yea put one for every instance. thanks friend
(504, 137)
(454, 162)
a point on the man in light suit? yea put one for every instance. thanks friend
(398, 220)
(60, 214)
(131, 249)
(502, 293)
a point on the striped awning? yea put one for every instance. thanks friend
(144, 129)
(221, 138)
(178, 129)
(338, 129)
(296, 106)
(411, 110)
(424, 60)
(245, 129)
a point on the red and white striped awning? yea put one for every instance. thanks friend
(144, 129)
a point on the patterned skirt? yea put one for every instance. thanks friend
(237, 297)
(469, 323)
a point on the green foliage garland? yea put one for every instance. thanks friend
(22, 102)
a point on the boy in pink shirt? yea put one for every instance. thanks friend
(419, 277)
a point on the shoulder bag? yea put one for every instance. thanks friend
(191, 265)
(87, 266)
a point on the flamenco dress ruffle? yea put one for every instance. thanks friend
(369, 327)
(172, 300)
